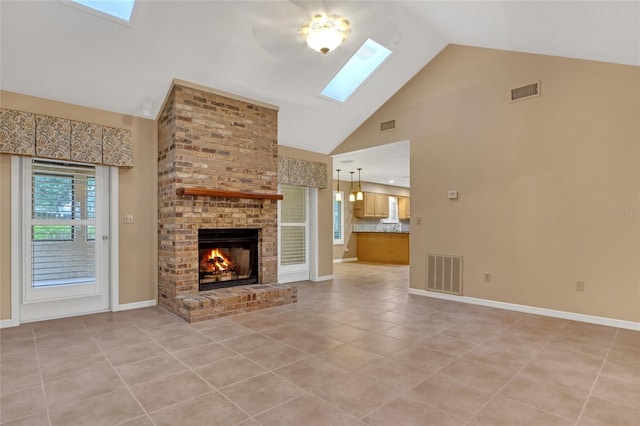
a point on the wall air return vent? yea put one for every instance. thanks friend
(444, 273)
(388, 125)
(525, 92)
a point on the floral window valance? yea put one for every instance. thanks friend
(35, 135)
(292, 171)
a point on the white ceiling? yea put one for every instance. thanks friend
(385, 164)
(252, 49)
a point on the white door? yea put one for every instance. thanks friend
(293, 234)
(64, 239)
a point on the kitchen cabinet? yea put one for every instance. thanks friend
(404, 207)
(372, 205)
(383, 247)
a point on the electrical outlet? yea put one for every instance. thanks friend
(579, 285)
(487, 277)
(128, 219)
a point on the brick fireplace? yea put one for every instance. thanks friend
(208, 141)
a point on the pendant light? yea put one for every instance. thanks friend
(338, 193)
(359, 195)
(352, 195)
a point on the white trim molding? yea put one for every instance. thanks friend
(8, 323)
(16, 243)
(322, 278)
(312, 239)
(345, 260)
(138, 305)
(114, 241)
(573, 316)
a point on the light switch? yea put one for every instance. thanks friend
(128, 219)
(453, 195)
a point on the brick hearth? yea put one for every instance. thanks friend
(210, 141)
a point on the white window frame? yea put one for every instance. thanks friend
(338, 241)
(32, 294)
(301, 271)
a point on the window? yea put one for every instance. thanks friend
(120, 9)
(293, 234)
(56, 197)
(52, 199)
(293, 225)
(356, 71)
(62, 225)
(338, 219)
(393, 211)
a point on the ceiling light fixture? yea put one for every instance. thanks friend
(325, 32)
(338, 193)
(359, 195)
(352, 195)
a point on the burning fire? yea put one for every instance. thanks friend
(216, 261)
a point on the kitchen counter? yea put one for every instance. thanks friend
(384, 247)
(380, 232)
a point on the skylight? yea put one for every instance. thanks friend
(356, 71)
(121, 9)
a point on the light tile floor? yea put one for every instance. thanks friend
(357, 350)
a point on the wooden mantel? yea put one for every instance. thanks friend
(228, 194)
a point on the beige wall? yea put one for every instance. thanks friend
(325, 208)
(540, 180)
(137, 196)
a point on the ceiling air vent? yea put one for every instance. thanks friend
(525, 92)
(388, 125)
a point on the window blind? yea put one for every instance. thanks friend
(293, 225)
(62, 225)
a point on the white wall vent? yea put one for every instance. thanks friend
(388, 125)
(525, 92)
(444, 273)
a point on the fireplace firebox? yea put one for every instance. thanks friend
(227, 257)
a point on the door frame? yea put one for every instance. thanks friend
(16, 240)
(296, 276)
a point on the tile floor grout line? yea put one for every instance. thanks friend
(305, 391)
(213, 388)
(120, 377)
(44, 392)
(221, 342)
(401, 393)
(332, 300)
(497, 393)
(595, 381)
(286, 379)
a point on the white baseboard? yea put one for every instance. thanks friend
(322, 278)
(127, 306)
(8, 323)
(573, 316)
(348, 259)
(137, 305)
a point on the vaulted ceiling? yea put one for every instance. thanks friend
(253, 49)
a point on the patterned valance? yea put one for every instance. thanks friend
(292, 171)
(34, 135)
